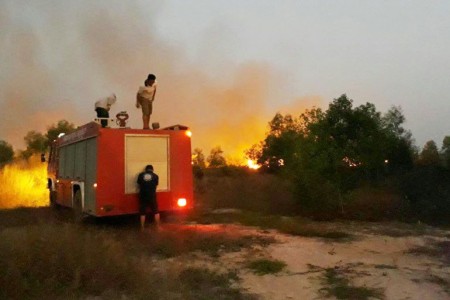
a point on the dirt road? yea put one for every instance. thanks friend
(382, 260)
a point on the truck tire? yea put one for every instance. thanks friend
(77, 208)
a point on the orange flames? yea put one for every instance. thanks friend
(252, 164)
(24, 184)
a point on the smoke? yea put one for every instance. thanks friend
(27, 85)
(58, 59)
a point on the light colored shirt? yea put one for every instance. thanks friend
(147, 92)
(106, 102)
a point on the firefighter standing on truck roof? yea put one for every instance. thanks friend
(148, 181)
(102, 107)
(145, 97)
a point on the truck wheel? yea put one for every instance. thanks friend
(78, 214)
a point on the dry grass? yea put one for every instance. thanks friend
(249, 191)
(439, 249)
(196, 281)
(374, 204)
(442, 282)
(44, 256)
(266, 266)
(340, 287)
(173, 240)
(41, 261)
(291, 225)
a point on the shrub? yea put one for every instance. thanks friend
(266, 266)
(427, 189)
(370, 203)
(245, 189)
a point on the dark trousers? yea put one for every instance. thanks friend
(102, 113)
(148, 200)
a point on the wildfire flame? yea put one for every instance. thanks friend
(24, 184)
(252, 164)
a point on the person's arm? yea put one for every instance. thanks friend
(139, 180)
(154, 94)
(138, 100)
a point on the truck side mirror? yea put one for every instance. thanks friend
(42, 157)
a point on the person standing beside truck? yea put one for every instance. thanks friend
(102, 107)
(145, 97)
(148, 181)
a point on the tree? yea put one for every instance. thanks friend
(336, 148)
(279, 147)
(6, 153)
(346, 139)
(198, 163)
(429, 155)
(216, 159)
(445, 151)
(62, 126)
(359, 138)
(327, 153)
(399, 142)
(254, 152)
(198, 158)
(393, 120)
(36, 142)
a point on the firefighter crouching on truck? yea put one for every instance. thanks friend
(148, 181)
(102, 107)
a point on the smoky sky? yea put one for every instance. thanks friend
(224, 68)
(59, 57)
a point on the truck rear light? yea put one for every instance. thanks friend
(94, 185)
(182, 202)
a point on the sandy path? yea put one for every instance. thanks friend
(374, 260)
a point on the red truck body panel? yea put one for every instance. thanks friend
(103, 164)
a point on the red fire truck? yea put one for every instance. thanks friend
(94, 170)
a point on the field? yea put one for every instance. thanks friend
(237, 244)
(46, 255)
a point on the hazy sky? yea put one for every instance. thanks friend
(224, 67)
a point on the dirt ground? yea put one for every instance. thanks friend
(399, 262)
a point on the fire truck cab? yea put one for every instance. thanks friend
(94, 170)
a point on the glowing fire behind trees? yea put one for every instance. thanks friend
(24, 184)
(252, 164)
